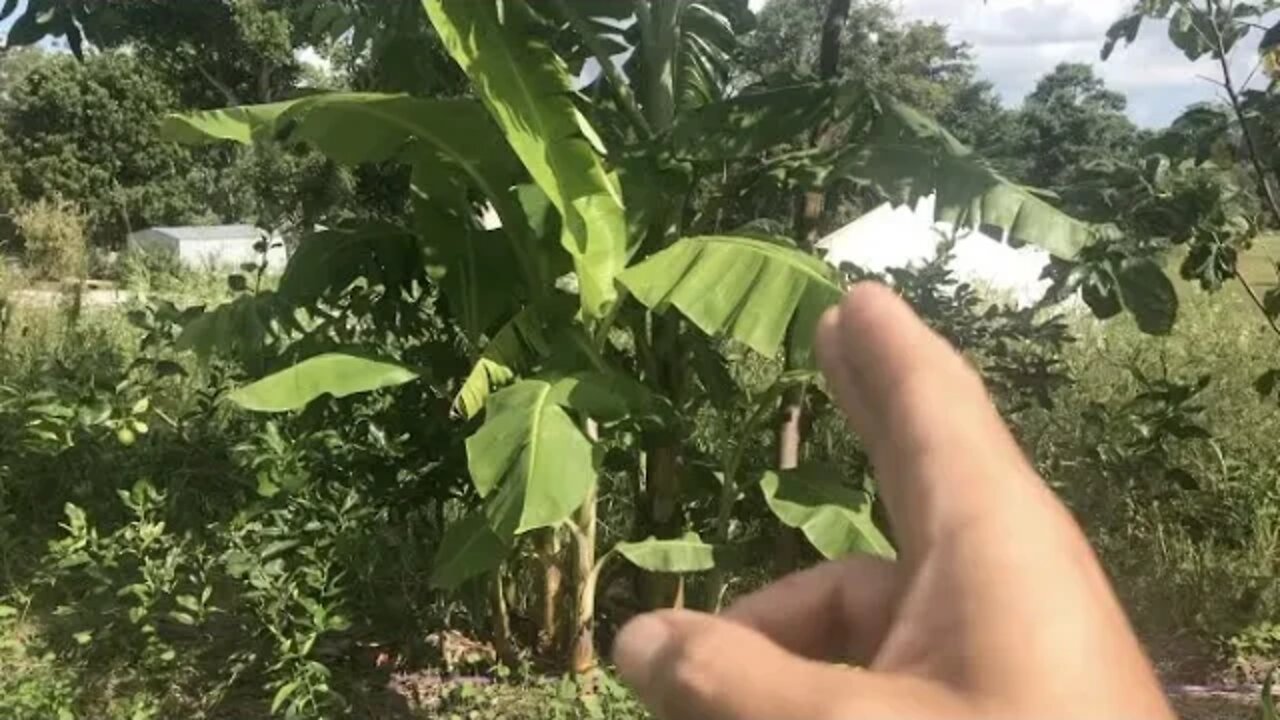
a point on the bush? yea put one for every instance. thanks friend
(53, 236)
(1167, 454)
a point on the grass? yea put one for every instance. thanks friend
(1195, 563)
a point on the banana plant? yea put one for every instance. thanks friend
(585, 307)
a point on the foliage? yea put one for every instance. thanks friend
(1071, 120)
(1162, 450)
(580, 385)
(53, 238)
(86, 133)
(913, 60)
(537, 338)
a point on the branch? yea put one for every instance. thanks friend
(1251, 147)
(1257, 300)
(227, 92)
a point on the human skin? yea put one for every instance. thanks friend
(996, 606)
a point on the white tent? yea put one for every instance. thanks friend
(890, 237)
(210, 247)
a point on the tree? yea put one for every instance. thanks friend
(913, 60)
(85, 132)
(1215, 143)
(1072, 119)
(979, 118)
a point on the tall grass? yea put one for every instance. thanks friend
(1188, 527)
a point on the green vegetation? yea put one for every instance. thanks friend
(53, 236)
(433, 467)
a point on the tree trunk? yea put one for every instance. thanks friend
(662, 491)
(500, 619)
(810, 208)
(660, 44)
(550, 639)
(665, 521)
(582, 654)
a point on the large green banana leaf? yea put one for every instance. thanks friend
(470, 548)
(750, 124)
(834, 517)
(688, 554)
(758, 292)
(909, 156)
(336, 374)
(527, 89)
(368, 127)
(243, 124)
(532, 458)
(331, 261)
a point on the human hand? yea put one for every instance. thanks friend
(995, 608)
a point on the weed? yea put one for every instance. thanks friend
(54, 238)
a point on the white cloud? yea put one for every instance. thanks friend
(1019, 41)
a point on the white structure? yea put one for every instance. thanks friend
(890, 237)
(214, 247)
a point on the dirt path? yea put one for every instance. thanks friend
(96, 294)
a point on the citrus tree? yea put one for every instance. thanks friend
(569, 229)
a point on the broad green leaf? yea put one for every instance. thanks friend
(603, 395)
(748, 125)
(241, 329)
(908, 156)
(752, 290)
(243, 124)
(454, 135)
(333, 374)
(685, 555)
(528, 91)
(534, 455)
(331, 261)
(1126, 29)
(834, 517)
(1150, 295)
(705, 63)
(469, 548)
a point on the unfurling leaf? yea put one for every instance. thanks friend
(834, 517)
(333, 374)
(684, 555)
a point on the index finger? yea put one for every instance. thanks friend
(943, 456)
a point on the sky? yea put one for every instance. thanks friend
(1017, 41)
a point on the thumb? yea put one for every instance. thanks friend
(687, 665)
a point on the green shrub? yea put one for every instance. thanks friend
(53, 236)
(158, 271)
(1167, 454)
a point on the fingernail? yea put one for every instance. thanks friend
(638, 647)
